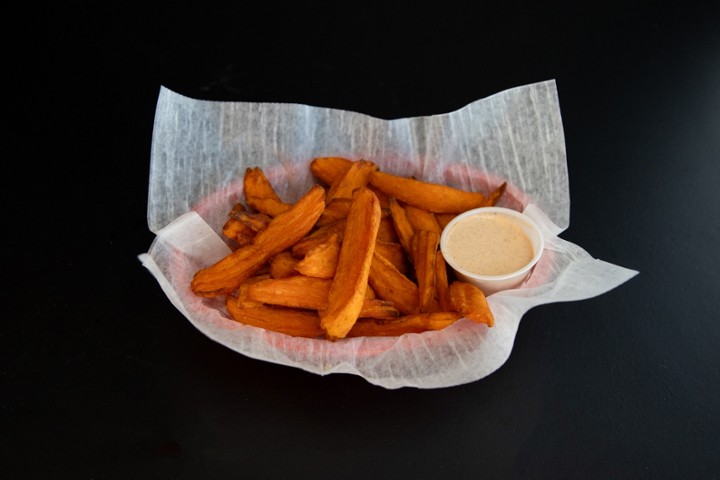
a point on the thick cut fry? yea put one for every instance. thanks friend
(321, 261)
(421, 219)
(425, 245)
(395, 253)
(335, 209)
(327, 169)
(442, 287)
(297, 323)
(236, 230)
(378, 309)
(283, 231)
(283, 265)
(416, 323)
(260, 195)
(254, 221)
(296, 292)
(401, 222)
(433, 197)
(389, 284)
(350, 180)
(386, 232)
(444, 218)
(351, 277)
(319, 236)
(306, 293)
(470, 301)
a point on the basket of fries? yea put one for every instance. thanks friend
(309, 237)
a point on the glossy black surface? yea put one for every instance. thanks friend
(103, 378)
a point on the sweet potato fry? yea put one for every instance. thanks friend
(395, 253)
(421, 219)
(444, 218)
(305, 293)
(298, 291)
(327, 169)
(387, 232)
(283, 231)
(378, 309)
(470, 301)
(350, 180)
(402, 225)
(260, 195)
(433, 197)
(351, 277)
(442, 287)
(319, 236)
(389, 284)
(425, 245)
(254, 221)
(297, 323)
(416, 323)
(321, 260)
(335, 209)
(283, 265)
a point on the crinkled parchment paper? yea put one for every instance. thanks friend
(200, 151)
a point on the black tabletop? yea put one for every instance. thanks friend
(102, 377)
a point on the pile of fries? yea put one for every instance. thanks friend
(357, 255)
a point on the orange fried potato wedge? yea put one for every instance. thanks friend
(327, 169)
(416, 323)
(298, 291)
(444, 218)
(471, 302)
(401, 222)
(395, 253)
(260, 195)
(282, 232)
(335, 209)
(390, 284)
(442, 287)
(319, 236)
(348, 287)
(433, 197)
(350, 180)
(321, 260)
(378, 309)
(421, 219)
(425, 245)
(293, 322)
(283, 265)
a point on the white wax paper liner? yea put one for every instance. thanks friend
(201, 149)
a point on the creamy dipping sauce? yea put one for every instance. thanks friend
(488, 244)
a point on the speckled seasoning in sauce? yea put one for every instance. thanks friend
(488, 244)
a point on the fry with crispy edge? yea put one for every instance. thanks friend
(294, 322)
(350, 180)
(260, 195)
(415, 323)
(425, 243)
(310, 294)
(442, 287)
(327, 169)
(351, 276)
(433, 197)
(282, 232)
(471, 302)
(390, 284)
(421, 219)
(401, 222)
(321, 260)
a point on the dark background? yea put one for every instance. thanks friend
(102, 378)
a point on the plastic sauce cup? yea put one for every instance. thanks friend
(493, 248)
